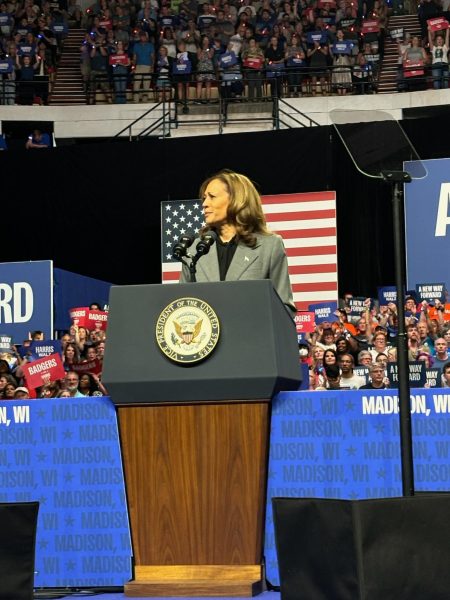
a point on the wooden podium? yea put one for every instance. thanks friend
(195, 438)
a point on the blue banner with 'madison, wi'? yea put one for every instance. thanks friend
(427, 222)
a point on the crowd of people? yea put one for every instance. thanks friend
(252, 47)
(79, 348)
(354, 352)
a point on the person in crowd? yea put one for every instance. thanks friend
(143, 62)
(442, 355)
(439, 47)
(71, 356)
(181, 75)
(99, 70)
(318, 63)
(120, 67)
(377, 378)
(445, 377)
(415, 54)
(332, 378)
(275, 66)
(364, 358)
(71, 383)
(64, 394)
(245, 247)
(90, 385)
(21, 393)
(295, 56)
(348, 379)
(379, 344)
(205, 69)
(341, 78)
(50, 390)
(38, 140)
(9, 391)
(163, 68)
(253, 62)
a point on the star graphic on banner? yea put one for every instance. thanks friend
(381, 473)
(349, 406)
(379, 428)
(70, 565)
(273, 565)
(41, 413)
(68, 477)
(41, 457)
(168, 207)
(353, 495)
(42, 500)
(67, 435)
(69, 521)
(272, 475)
(269, 519)
(351, 451)
(43, 544)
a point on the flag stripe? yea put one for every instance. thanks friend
(327, 278)
(292, 198)
(302, 225)
(310, 242)
(270, 209)
(313, 287)
(289, 234)
(301, 216)
(300, 269)
(309, 251)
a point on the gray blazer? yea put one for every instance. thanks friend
(267, 260)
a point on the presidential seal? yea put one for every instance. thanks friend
(187, 330)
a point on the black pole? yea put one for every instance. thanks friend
(397, 180)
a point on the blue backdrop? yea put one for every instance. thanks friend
(26, 298)
(427, 234)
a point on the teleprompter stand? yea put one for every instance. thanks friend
(195, 438)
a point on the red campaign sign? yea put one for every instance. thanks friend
(413, 68)
(97, 319)
(88, 366)
(79, 316)
(371, 26)
(437, 24)
(119, 59)
(304, 322)
(43, 371)
(253, 63)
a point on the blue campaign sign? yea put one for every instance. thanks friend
(336, 444)
(430, 292)
(64, 453)
(345, 47)
(427, 219)
(387, 294)
(44, 348)
(26, 298)
(6, 65)
(317, 36)
(324, 312)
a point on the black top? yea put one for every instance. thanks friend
(225, 253)
(370, 386)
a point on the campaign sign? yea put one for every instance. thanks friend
(65, 454)
(347, 23)
(387, 294)
(5, 343)
(346, 445)
(370, 26)
(89, 366)
(39, 349)
(119, 59)
(26, 298)
(43, 371)
(79, 316)
(97, 319)
(397, 34)
(413, 68)
(5, 19)
(324, 312)
(6, 65)
(430, 226)
(357, 306)
(417, 373)
(304, 322)
(372, 58)
(362, 372)
(316, 36)
(345, 47)
(430, 292)
(437, 24)
(433, 377)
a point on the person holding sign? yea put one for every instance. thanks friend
(439, 58)
(245, 248)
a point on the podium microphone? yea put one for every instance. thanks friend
(206, 241)
(179, 251)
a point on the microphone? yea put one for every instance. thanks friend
(207, 240)
(181, 247)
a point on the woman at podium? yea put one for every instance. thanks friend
(245, 248)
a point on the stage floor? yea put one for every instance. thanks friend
(121, 596)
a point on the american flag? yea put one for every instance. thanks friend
(307, 224)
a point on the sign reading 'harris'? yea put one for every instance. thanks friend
(26, 298)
